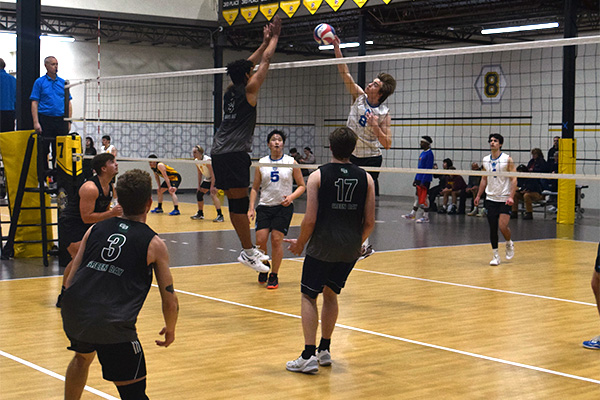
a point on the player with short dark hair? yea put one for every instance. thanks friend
(111, 278)
(275, 208)
(171, 181)
(340, 215)
(500, 194)
(233, 140)
(422, 182)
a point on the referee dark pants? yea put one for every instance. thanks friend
(51, 128)
(7, 120)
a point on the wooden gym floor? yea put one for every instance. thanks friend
(424, 317)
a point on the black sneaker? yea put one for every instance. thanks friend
(273, 282)
(198, 215)
(262, 276)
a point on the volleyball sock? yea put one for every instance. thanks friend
(309, 351)
(324, 344)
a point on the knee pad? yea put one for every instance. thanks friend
(239, 206)
(135, 391)
(199, 195)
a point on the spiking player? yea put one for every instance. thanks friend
(370, 119)
(233, 140)
(500, 194)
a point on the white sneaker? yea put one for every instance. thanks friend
(409, 216)
(495, 261)
(324, 358)
(422, 220)
(261, 254)
(365, 251)
(510, 250)
(309, 366)
(253, 261)
(473, 212)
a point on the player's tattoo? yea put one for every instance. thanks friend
(170, 288)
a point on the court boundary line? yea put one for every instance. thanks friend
(405, 340)
(54, 374)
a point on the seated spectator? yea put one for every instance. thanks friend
(537, 162)
(90, 150)
(308, 158)
(553, 152)
(473, 188)
(294, 153)
(455, 187)
(435, 190)
(529, 190)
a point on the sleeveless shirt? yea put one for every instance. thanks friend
(109, 288)
(276, 182)
(102, 202)
(498, 187)
(367, 144)
(172, 174)
(239, 119)
(203, 168)
(337, 236)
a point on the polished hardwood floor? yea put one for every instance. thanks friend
(424, 317)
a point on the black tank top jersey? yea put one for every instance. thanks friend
(109, 288)
(239, 119)
(338, 231)
(172, 174)
(101, 205)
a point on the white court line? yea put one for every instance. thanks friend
(433, 346)
(54, 375)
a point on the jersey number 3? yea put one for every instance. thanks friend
(113, 250)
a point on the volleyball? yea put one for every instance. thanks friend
(324, 34)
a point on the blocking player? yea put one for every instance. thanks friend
(370, 119)
(595, 342)
(91, 204)
(206, 184)
(422, 182)
(500, 194)
(340, 215)
(233, 140)
(275, 208)
(171, 182)
(112, 275)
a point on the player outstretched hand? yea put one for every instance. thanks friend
(294, 247)
(169, 338)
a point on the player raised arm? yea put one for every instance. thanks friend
(158, 259)
(271, 37)
(354, 89)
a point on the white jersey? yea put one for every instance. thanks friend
(203, 168)
(498, 187)
(108, 149)
(276, 182)
(367, 144)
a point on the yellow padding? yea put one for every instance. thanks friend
(12, 147)
(567, 152)
(64, 149)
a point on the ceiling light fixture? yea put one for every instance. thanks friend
(519, 28)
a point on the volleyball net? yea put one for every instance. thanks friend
(457, 96)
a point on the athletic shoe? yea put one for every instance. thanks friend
(273, 282)
(157, 211)
(482, 212)
(262, 277)
(262, 255)
(219, 219)
(452, 210)
(197, 216)
(309, 366)
(495, 261)
(365, 251)
(510, 251)
(473, 212)
(253, 261)
(324, 358)
(442, 210)
(175, 212)
(422, 220)
(592, 343)
(409, 216)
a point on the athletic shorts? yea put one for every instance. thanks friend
(71, 230)
(173, 183)
(495, 208)
(231, 170)
(274, 218)
(421, 190)
(205, 185)
(120, 361)
(597, 267)
(317, 274)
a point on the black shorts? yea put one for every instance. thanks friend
(71, 230)
(375, 161)
(120, 361)
(205, 185)
(231, 170)
(317, 274)
(495, 208)
(274, 218)
(173, 183)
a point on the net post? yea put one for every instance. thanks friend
(567, 149)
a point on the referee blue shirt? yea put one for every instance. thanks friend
(8, 91)
(50, 95)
